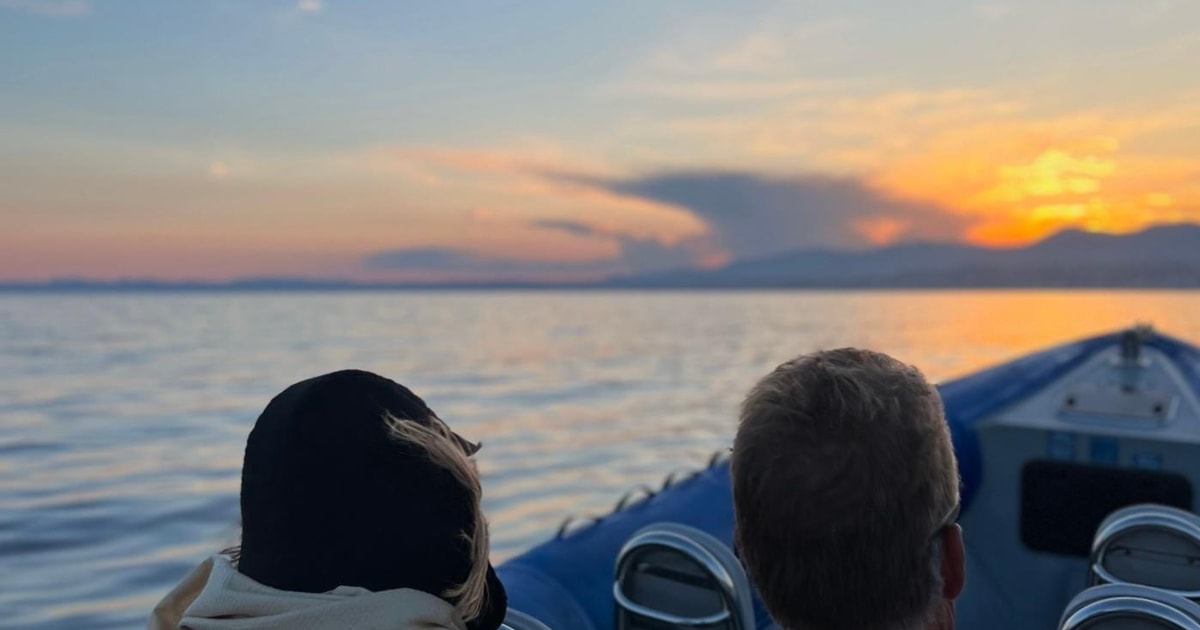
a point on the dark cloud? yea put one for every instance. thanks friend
(637, 255)
(642, 255)
(749, 216)
(754, 215)
(456, 261)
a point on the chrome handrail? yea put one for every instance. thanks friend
(692, 549)
(1108, 578)
(681, 543)
(1126, 605)
(1137, 517)
(667, 618)
(517, 620)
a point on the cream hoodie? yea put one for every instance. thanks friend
(216, 597)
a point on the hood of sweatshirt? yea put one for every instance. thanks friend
(214, 596)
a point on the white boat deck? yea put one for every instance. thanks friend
(1133, 422)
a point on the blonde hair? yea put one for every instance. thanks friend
(443, 450)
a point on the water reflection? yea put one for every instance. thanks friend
(124, 416)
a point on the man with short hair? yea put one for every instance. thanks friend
(845, 490)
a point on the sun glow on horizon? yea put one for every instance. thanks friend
(1016, 190)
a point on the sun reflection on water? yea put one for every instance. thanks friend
(125, 416)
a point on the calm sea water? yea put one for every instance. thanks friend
(123, 416)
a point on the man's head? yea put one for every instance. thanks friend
(845, 488)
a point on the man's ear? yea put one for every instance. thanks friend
(954, 562)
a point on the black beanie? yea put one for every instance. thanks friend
(330, 498)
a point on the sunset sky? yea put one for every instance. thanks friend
(217, 139)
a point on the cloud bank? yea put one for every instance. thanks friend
(746, 215)
(751, 215)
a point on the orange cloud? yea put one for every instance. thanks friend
(155, 252)
(1052, 173)
(1019, 180)
(881, 230)
(1007, 165)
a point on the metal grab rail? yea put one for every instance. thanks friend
(714, 559)
(1139, 518)
(667, 618)
(1116, 602)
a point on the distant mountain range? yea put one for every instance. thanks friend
(1161, 256)
(1166, 256)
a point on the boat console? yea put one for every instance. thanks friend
(1120, 429)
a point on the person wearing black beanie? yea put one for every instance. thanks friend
(360, 508)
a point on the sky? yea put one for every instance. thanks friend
(396, 141)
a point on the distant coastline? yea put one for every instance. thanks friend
(355, 287)
(1160, 257)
